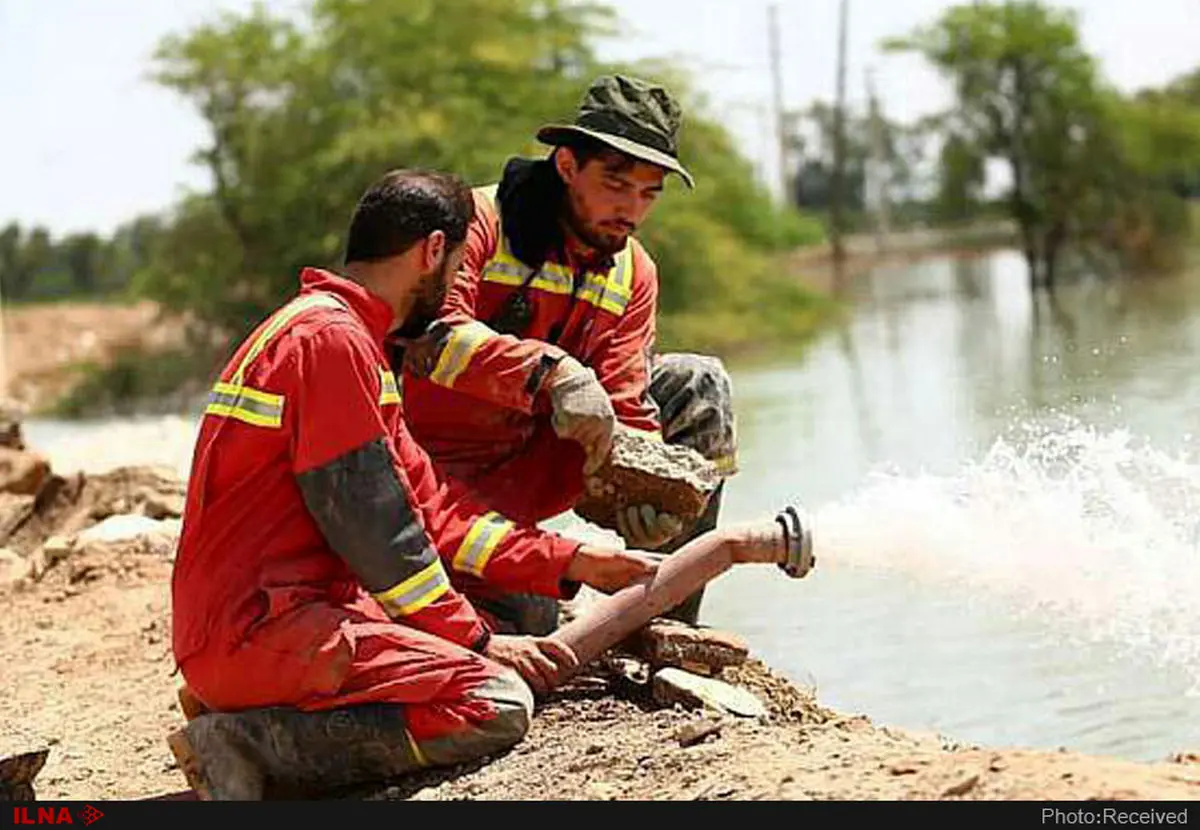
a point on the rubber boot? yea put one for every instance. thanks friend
(281, 752)
(688, 611)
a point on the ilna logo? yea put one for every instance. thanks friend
(54, 815)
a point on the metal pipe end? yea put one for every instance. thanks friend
(797, 536)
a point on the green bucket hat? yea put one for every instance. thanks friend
(633, 116)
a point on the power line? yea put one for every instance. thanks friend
(777, 84)
(839, 143)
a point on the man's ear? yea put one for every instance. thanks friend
(435, 252)
(566, 164)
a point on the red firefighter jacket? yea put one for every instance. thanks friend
(308, 387)
(479, 404)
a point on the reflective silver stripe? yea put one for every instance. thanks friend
(414, 593)
(481, 542)
(250, 405)
(513, 274)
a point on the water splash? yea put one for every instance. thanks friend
(1095, 531)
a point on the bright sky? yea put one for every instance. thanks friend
(87, 143)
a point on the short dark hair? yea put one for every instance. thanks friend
(404, 207)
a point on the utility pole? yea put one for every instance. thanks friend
(777, 84)
(879, 167)
(837, 206)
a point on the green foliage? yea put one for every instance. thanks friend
(1088, 168)
(133, 381)
(304, 115)
(36, 267)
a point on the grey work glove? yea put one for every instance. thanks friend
(581, 410)
(644, 527)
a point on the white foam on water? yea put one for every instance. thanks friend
(1094, 531)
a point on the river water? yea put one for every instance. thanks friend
(1004, 492)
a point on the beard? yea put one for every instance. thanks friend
(427, 305)
(603, 240)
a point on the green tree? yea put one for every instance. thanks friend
(1026, 92)
(961, 178)
(303, 114)
(10, 253)
(84, 256)
(1088, 168)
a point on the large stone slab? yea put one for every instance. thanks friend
(642, 470)
(707, 651)
(671, 686)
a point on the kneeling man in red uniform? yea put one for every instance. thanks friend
(320, 593)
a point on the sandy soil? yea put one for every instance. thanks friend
(88, 672)
(45, 345)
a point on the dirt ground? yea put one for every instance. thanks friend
(88, 673)
(46, 345)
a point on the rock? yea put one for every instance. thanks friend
(627, 670)
(17, 773)
(15, 510)
(642, 470)
(962, 787)
(697, 731)
(116, 544)
(671, 686)
(164, 505)
(22, 472)
(706, 651)
(119, 545)
(10, 426)
(13, 568)
(125, 528)
(56, 549)
(155, 491)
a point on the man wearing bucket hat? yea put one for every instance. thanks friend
(546, 343)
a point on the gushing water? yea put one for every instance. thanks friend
(1093, 532)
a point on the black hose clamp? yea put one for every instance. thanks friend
(797, 539)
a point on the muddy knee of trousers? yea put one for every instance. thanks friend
(694, 395)
(513, 701)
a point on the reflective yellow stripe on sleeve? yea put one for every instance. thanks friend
(456, 354)
(414, 593)
(389, 392)
(262, 409)
(481, 542)
(233, 399)
(281, 318)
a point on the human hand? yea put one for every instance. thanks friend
(642, 526)
(582, 411)
(609, 570)
(539, 660)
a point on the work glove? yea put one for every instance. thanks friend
(642, 526)
(581, 410)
